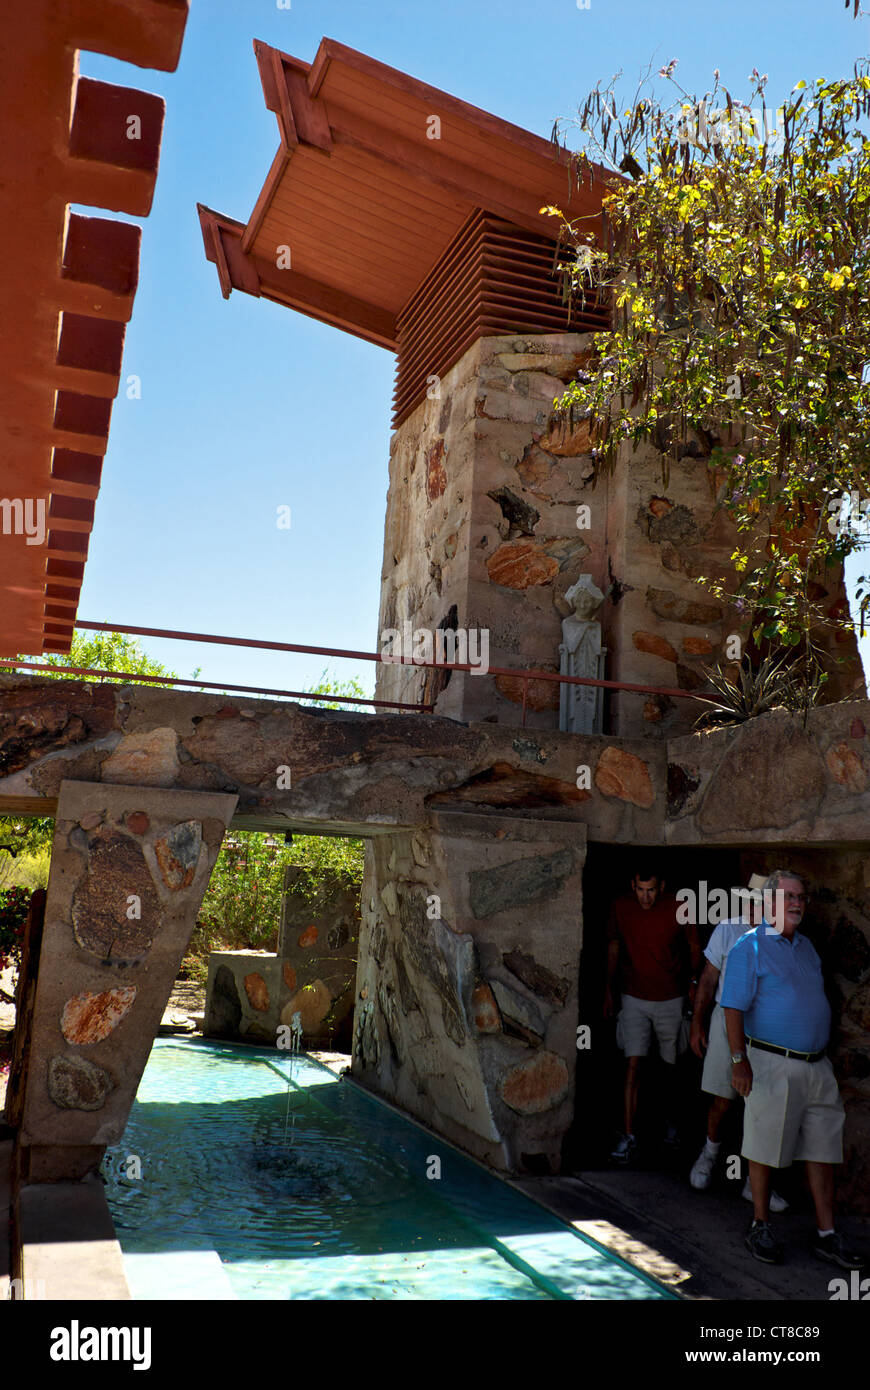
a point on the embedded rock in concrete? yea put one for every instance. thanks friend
(568, 440)
(436, 473)
(537, 978)
(89, 1018)
(56, 717)
(846, 767)
(655, 644)
(226, 1008)
(622, 774)
(504, 785)
(115, 872)
(747, 788)
(536, 1085)
(146, 760)
(697, 646)
(521, 565)
(257, 991)
(520, 516)
(516, 1008)
(539, 694)
(312, 1002)
(308, 938)
(177, 854)
(666, 604)
(76, 1084)
(519, 882)
(289, 975)
(675, 524)
(137, 822)
(444, 958)
(682, 785)
(484, 1009)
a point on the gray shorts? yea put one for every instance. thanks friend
(793, 1111)
(639, 1019)
(716, 1077)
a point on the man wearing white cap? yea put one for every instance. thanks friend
(712, 1044)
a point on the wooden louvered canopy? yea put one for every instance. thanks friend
(402, 214)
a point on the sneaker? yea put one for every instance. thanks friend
(624, 1149)
(702, 1173)
(760, 1242)
(777, 1203)
(832, 1249)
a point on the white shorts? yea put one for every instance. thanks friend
(793, 1111)
(639, 1018)
(716, 1077)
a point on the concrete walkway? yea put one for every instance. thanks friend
(692, 1241)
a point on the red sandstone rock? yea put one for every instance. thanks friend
(624, 775)
(656, 645)
(540, 694)
(227, 712)
(89, 1018)
(177, 853)
(487, 1018)
(257, 992)
(846, 767)
(436, 473)
(536, 1085)
(857, 729)
(308, 937)
(137, 821)
(660, 506)
(652, 711)
(520, 565)
(697, 646)
(312, 1002)
(289, 975)
(567, 443)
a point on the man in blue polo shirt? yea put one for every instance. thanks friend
(778, 1021)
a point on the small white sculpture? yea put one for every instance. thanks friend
(581, 707)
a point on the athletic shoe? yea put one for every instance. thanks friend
(625, 1149)
(832, 1249)
(777, 1203)
(702, 1173)
(760, 1242)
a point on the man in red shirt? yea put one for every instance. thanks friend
(652, 951)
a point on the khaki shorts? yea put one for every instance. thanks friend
(639, 1018)
(793, 1111)
(716, 1077)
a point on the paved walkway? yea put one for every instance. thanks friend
(692, 1241)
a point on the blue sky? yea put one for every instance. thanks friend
(247, 406)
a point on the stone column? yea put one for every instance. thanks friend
(482, 529)
(466, 1011)
(129, 868)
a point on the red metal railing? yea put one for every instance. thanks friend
(523, 674)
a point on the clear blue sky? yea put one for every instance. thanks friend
(246, 406)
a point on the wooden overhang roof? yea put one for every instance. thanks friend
(66, 283)
(367, 201)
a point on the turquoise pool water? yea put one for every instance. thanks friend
(263, 1176)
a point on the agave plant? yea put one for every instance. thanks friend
(752, 692)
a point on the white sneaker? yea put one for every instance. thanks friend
(702, 1173)
(777, 1203)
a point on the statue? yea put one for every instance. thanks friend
(581, 707)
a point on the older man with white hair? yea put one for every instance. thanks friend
(778, 1021)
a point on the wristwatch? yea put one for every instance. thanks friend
(737, 1057)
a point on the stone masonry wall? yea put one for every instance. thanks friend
(485, 530)
(466, 1009)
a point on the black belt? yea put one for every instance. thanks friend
(787, 1051)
